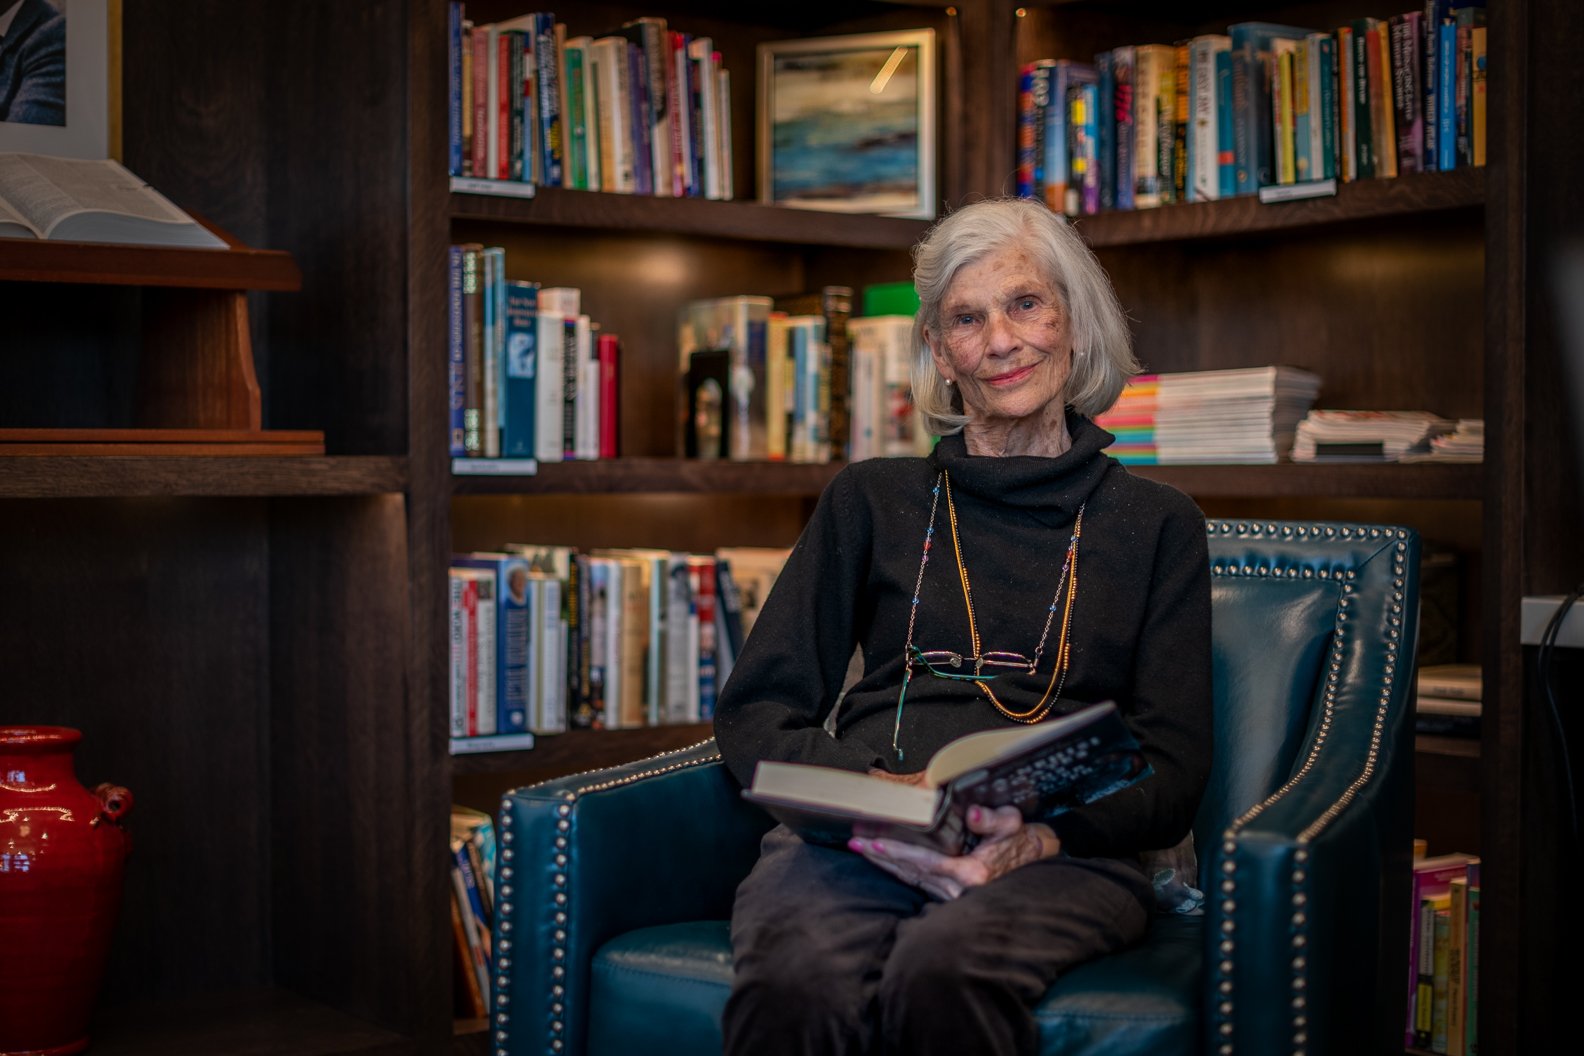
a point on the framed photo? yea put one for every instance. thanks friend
(847, 124)
(60, 77)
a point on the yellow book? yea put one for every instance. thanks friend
(1386, 162)
(1457, 967)
(775, 387)
(1478, 62)
(1438, 1016)
(1282, 110)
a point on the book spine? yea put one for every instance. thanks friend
(1282, 127)
(492, 102)
(678, 669)
(458, 680)
(1204, 181)
(473, 351)
(1406, 79)
(502, 72)
(489, 403)
(1146, 127)
(454, 88)
(728, 602)
(609, 401)
(580, 710)
(486, 700)
(1446, 98)
(569, 387)
(471, 659)
(677, 114)
(467, 97)
(1244, 138)
(1306, 109)
(1457, 923)
(481, 101)
(837, 310)
(464, 962)
(1122, 69)
(533, 134)
(1478, 61)
(519, 115)
(638, 126)
(1106, 131)
(588, 391)
(1424, 1002)
(472, 931)
(1326, 93)
(456, 355)
(1462, 94)
(656, 53)
(576, 124)
(548, 392)
(634, 644)
(1438, 1028)
(1025, 136)
(1225, 141)
(1041, 91)
(1180, 119)
(554, 715)
(1090, 149)
(1471, 990)
(1429, 84)
(703, 583)
(1347, 153)
(549, 89)
(723, 107)
(1384, 110)
(709, 146)
(1058, 144)
(1363, 136)
(517, 430)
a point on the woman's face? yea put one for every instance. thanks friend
(1004, 341)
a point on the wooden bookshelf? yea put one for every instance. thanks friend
(59, 476)
(238, 267)
(267, 1021)
(700, 217)
(586, 749)
(1378, 200)
(1344, 481)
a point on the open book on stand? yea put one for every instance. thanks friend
(1043, 770)
(68, 200)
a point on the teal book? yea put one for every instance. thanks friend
(1327, 167)
(522, 309)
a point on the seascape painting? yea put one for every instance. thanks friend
(847, 131)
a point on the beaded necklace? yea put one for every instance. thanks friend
(911, 656)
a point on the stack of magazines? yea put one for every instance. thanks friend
(1366, 436)
(1466, 443)
(1211, 416)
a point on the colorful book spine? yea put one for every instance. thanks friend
(1457, 977)
(509, 574)
(491, 263)
(1025, 140)
(480, 99)
(1106, 83)
(1155, 74)
(1382, 110)
(517, 430)
(1041, 87)
(1441, 962)
(1057, 138)
(1226, 152)
(454, 87)
(1203, 160)
(1363, 124)
(1347, 150)
(1407, 35)
(1126, 138)
(1324, 87)
(457, 355)
(1085, 163)
(609, 394)
(701, 577)
(1283, 131)
(578, 88)
(1446, 97)
(549, 91)
(1477, 104)
(1471, 1033)
(1304, 105)
(473, 350)
(1179, 143)
(1467, 19)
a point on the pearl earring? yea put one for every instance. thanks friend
(948, 381)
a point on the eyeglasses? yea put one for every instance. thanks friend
(935, 660)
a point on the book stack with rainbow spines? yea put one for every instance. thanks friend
(532, 378)
(638, 110)
(546, 639)
(1443, 955)
(1132, 421)
(1263, 106)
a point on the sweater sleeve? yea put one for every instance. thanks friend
(1170, 710)
(791, 669)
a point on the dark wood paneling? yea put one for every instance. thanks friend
(46, 476)
(988, 41)
(353, 792)
(633, 286)
(1390, 321)
(695, 523)
(143, 623)
(1447, 798)
(69, 357)
(267, 1021)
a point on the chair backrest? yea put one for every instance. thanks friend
(1276, 589)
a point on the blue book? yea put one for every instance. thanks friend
(522, 331)
(1059, 177)
(638, 123)
(457, 353)
(1226, 161)
(1106, 130)
(1025, 144)
(497, 295)
(511, 635)
(454, 104)
(1122, 100)
(547, 68)
(1436, 13)
(1446, 97)
(1252, 128)
(1326, 167)
(464, 866)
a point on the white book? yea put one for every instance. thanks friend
(533, 690)
(679, 663)
(484, 695)
(613, 88)
(492, 102)
(702, 51)
(1203, 131)
(613, 643)
(67, 199)
(561, 300)
(588, 410)
(492, 262)
(723, 120)
(864, 403)
(691, 714)
(552, 662)
(684, 117)
(458, 680)
(549, 389)
(1316, 116)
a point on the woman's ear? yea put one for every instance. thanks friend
(942, 364)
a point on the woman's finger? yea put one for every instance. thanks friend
(996, 824)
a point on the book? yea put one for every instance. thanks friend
(454, 89)
(1446, 97)
(492, 331)
(1457, 977)
(1227, 156)
(549, 711)
(1179, 140)
(518, 439)
(1454, 681)
(464, 963)
(701, 53)
(701, 579)
(1203, 158)
(1347, 142)
(472, 350)
(1028, 114)
(456, 354)
(1439, 974)
(1283, 131)
(1467, 19)
(632, 644)
(1324, 132)
(1105, 81)
(1154, 77)
(1471, 992)
(1432, 878)
(1478, 61)
(1043, 770)
(609, 360)
(1253, 47)
(1085, 177)
(509, 679)
(1364, 160)
(549, 382)
(1382, 111)
(754, 571)
(1125, 133)
(1407, 73)
(73, 200)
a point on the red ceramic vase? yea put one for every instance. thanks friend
(62, 851)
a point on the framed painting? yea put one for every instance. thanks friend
(847, 124)
(60, 77)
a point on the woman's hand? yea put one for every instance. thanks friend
(1007, 843)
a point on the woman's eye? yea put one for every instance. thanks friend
(965, 320)
(1026, 304)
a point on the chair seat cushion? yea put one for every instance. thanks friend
(662, 990)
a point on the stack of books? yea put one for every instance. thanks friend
(1265, 106)
(1465, 443)
(1443, 956)
(885, 424)
(1365, 436)
(472, 867)
(546, 639)
(532, 378)
(638, 110)
(1448, 700)
(1211, 416)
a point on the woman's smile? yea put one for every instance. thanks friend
(1011, 377)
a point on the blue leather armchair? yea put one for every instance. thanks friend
(616, 886)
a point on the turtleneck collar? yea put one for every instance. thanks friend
(1028, 481)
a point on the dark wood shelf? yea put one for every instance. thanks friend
(189, 442)
(239, 267)
(265, 1022)
(578, 750)
(1459, 747)
(1361, 200)
(657, 475)
(57, 476)
(1344, 481)
(747, 221)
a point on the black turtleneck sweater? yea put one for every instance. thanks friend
(1140, 634)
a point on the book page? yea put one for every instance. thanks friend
(46, 191)
(981, 749)
(13, 224)
(844, 791)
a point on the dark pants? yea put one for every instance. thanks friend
(835, 956)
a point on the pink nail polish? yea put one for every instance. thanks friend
(878, 846)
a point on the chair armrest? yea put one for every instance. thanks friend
(1307, 895)
(589, 857)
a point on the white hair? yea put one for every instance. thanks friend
(1102, 344)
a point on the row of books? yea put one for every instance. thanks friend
(531, 376)
(797, 379)
(1210, 416)
(546, 639)
(1447, 701)
(639, 110)
(1443, 954)
(1387, 436)
(1263, 106)
(472, 866)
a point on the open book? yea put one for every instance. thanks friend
(68, 200)
(1043, 770)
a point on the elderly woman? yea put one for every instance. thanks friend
(978, 550)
